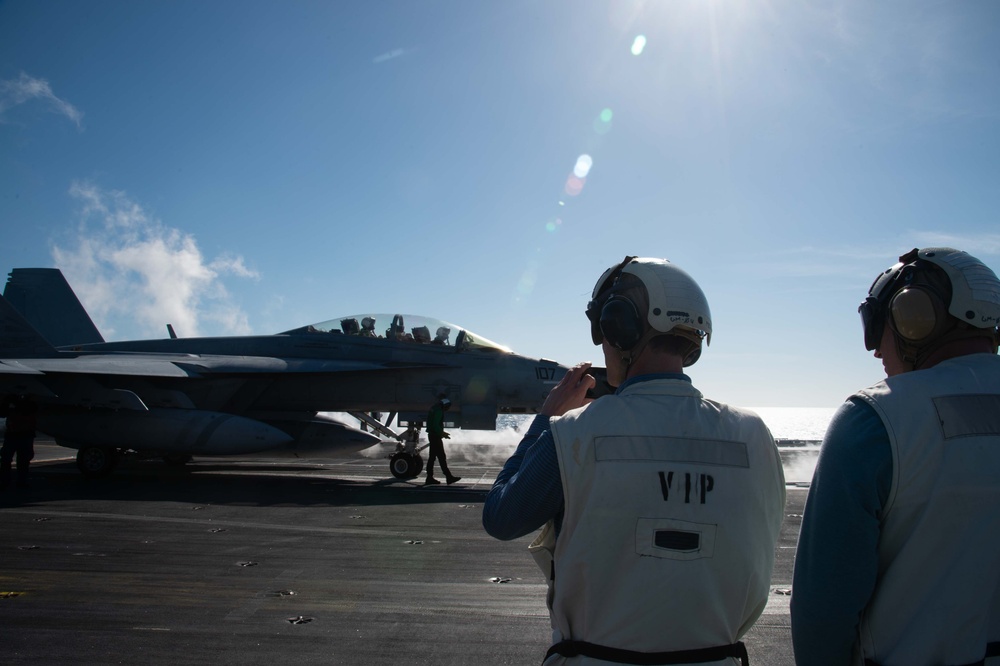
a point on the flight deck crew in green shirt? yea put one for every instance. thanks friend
(436, 436)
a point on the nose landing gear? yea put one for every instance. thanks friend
(405, 465)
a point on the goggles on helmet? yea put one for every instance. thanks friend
(873, 321)
(874, 308)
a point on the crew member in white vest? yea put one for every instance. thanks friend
(898, 561)
(660, 508)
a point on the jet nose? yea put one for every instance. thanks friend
(525, 382)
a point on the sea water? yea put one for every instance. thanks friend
(798, 432)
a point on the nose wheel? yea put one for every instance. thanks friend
(406, 465)
(97, 461)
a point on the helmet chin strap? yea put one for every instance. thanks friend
(629, 356)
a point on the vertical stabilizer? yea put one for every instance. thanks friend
(47, 302)
(17, 337)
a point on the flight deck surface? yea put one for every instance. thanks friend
(260, 561)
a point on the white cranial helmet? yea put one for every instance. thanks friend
(675, 299)
(930, 297)
(975, 289)
(675, 304)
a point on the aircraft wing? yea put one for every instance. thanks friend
(15, 377)
(237, 365)
(191, 366)
(15, 367)
(104, 364)
(109, 380)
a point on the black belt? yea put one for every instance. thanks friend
(992, 650)
(619, 656)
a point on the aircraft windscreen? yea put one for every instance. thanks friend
(405, 328)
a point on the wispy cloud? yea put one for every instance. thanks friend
(842, 261)
(389, 55)
(14, 92)
(128, 268)
(856, 262)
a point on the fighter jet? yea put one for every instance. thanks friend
(179, 397)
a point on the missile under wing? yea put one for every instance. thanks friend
(227, 395)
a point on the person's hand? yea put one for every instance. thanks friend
(445, 435)
(570, 392)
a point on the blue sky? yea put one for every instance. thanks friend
(238, 167)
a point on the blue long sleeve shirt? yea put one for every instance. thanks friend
(528, 490)
(836, 564)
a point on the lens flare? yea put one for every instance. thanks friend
(574, 185)
(477, 389)
(638, 45)
(603, 123)
(526, 284)
(582, 166)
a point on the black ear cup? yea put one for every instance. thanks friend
(620, 323)
(917, 314)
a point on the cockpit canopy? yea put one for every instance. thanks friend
(414, 329)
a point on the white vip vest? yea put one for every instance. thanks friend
(673, 505)
(937, 597)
